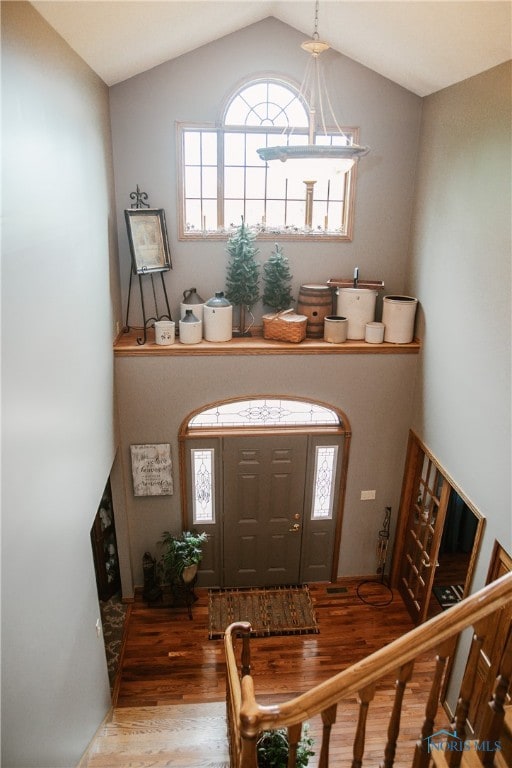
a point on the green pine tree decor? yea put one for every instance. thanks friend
(276, 281)
(243, 273)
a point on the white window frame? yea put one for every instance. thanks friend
(210, 181)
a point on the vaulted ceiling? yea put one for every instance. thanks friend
(423, 46)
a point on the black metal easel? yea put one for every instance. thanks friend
(140, 202)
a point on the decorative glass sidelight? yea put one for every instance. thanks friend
(203, 497)
(323, 482)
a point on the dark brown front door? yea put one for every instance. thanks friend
(264, 483)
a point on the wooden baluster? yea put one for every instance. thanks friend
(294, 734)
(328, 719)
(248, 755)
(246, 653)
(492, 725)
(404, 675)
(421, 756)
(365, 696)
(454, 757)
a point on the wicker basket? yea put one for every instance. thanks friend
(285, 326)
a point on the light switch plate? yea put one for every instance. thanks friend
(367, 495)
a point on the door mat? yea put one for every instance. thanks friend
(448, 596)
(270, 610)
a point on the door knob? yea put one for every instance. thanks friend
(295, 527)
(296, 516)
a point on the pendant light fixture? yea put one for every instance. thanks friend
(344, 154)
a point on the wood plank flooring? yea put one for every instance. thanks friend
(169, 659)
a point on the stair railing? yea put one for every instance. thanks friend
(247, 719)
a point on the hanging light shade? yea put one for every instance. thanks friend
(344, 154)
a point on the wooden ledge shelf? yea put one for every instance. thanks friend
(126, 346)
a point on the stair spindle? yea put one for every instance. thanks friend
(328, 720)
(453, 758)
(365, 696)
(404, 676)
(421, 756)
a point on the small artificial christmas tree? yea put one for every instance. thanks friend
(276, 281)
(242, 281)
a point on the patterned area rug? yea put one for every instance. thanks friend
(113, 617)
(270, 610)
(448, 596)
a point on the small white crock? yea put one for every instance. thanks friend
(165, 331)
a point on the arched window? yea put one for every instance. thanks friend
(222, 178)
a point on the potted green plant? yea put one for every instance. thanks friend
(273, 746)
(181, 555)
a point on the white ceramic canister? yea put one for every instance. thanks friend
(191, 329)
(335, 329)
(358, 306)
(218, 318)
(398, 314)
(374, 333)
(192, 300)
(165, 332)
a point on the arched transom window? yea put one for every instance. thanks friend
(222, 177)
(265, 412)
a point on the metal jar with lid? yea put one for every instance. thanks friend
(192, 300)
(218, 318)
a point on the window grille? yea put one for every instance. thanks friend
(223, 178)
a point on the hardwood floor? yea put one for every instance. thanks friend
(169, 660)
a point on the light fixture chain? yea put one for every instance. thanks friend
(315, 33)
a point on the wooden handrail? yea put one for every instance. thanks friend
(251, 718)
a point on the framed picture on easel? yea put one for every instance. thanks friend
(147, 235)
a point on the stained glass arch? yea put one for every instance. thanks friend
(265, 412)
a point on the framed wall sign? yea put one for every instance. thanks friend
(152, 470)
(147, 235)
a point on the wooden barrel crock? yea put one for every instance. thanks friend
(315, 302)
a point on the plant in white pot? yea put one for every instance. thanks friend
(181, 555)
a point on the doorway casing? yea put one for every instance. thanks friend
(336, 429)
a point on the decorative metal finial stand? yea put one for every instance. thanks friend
(141, 199)
(382, 552)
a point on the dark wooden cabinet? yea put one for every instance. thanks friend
(104, 548)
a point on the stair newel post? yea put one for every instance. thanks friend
(454, 757)
(365, 696)
(421, 756)
(250, 724)
(328, 720)
(492, 725)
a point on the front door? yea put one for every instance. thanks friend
(264, 484)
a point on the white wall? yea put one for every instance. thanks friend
(375, 392)
(461, 268)
(58, 292)
(194, 87)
